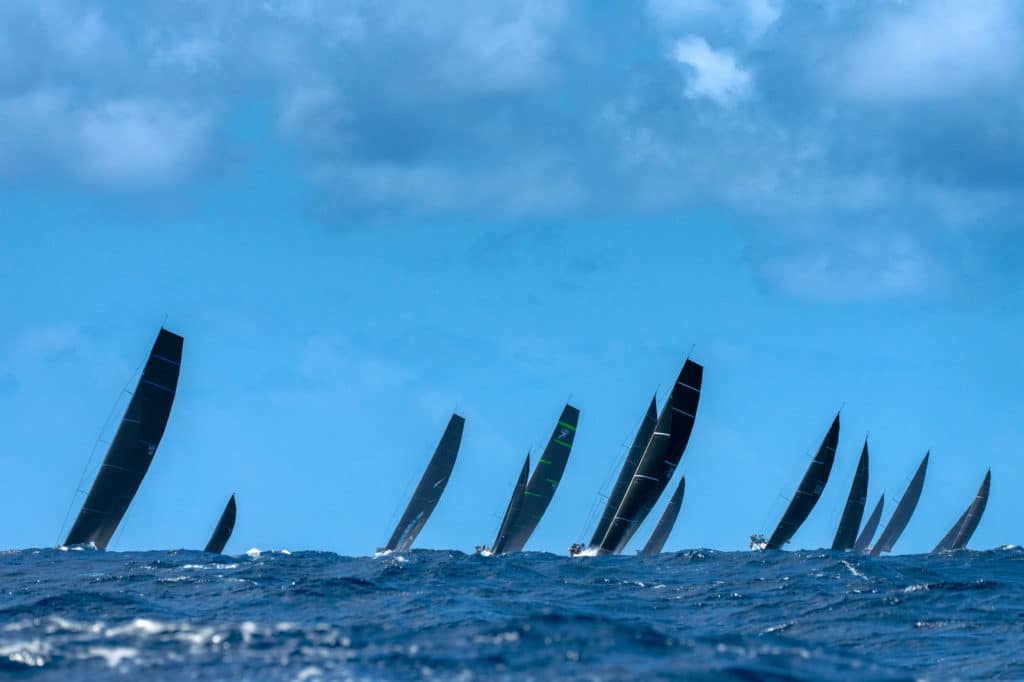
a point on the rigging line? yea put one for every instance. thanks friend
(604, 492)
(99, 439)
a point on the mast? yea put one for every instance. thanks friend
(870, 526)
(809, 490)
(960, 534)
(542, 484)
(904, 510)
(133, 447)
(660, 459)
(643, 436)
(222, 532)
(430, 488)
(515, 503)
(846, 534)
(666, 522)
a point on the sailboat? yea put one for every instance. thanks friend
(849, 523)
(222, 532)
(666, 522)
(659, 461)
(904, 510)
(807, 493)
(133, 447)
(540, 489)
(429, 490)
(867, 534)
(960, 534)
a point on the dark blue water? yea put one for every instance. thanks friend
(699, 614)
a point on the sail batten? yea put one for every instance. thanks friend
(225, 526)
(809, 491)
(849, 523)
(131, 451)
(666, 522)
(904, 510)
(430, 488)
(540, 489)
(660, 458)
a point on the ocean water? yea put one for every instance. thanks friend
(701, 614)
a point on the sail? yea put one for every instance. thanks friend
(870, 526)
(133, 447)
(514, 504)
(960, 534)
(666, 522)
(542, 485)
(904, 510)
(846, 534)
(809, 490)
(974, 513)
(430, 488)
(643, 435)
(659, 461)
(946, 543)
(222, 532)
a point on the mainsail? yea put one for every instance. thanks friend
(960, 534)
(904, 510)
(222, 532)
(542, 485)
(515, 503)
(846, 534)
(659, 461)
(133, 447)
(430, 488)
(643, 436)
(809, 490)
(870, 526)
(666, 522)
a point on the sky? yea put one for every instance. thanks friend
(364, 216)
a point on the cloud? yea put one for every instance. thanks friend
(935, 50)
(756, 16)
(712, 75)
(132, 141)
(813, 124)
(863, 267)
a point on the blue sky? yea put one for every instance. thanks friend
(362, 216)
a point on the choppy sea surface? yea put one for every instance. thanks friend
(701, 614)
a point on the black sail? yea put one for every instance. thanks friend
(960, 534)
(666, 522)
(643, 435)
(133, 447)
(870, 526)
(904, 510)
(542, 485)
(659, 461)
(430, 488)
(974, 513)
(515, 503)
(809, 490)
(222, 532)
(846, 534)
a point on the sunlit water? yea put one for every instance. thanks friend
(432, 614)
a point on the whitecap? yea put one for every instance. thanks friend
(113, 655)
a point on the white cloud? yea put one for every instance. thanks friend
(754, 16)
(139, 141)
(935, 50)
(857, 266)
(713, 75)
